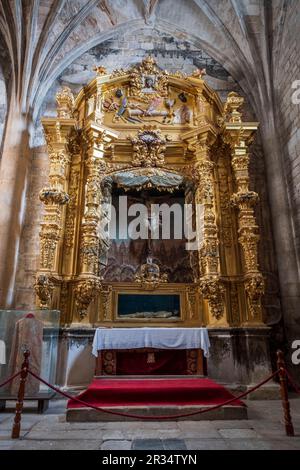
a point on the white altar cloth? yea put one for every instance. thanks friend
(161, 338)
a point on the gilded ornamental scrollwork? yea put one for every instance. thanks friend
(149, 276)
(213, 291)
(44, 287)
(85, 292)
(255, 288)
(148, 147)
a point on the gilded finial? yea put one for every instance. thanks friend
(100, 70)
(65, 103)
(233, 103)
(148, 64)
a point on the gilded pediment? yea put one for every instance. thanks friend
(146, 95)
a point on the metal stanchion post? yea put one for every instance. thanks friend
(289, 428)
(15, 434)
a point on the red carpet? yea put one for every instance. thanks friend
(123, 392)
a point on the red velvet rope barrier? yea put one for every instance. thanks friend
(10, 379)
(128, 415)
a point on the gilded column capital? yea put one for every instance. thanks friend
(244, 200)
(200, 140)
(57, 131)
(239, 135)
(98, 137)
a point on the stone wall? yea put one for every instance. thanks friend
(3, 104)
(28, 261)
(286, 72)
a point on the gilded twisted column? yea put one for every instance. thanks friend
(239, 136)
(210, 285)
(89, 280)
(54, 197)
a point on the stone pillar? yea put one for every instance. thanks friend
(239, 136)
(89, 280)
(13, 182)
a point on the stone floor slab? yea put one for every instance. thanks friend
(57, 445)
(6, 444)
(147, 444)
(238, 433)
(65, 435)
(174, 444)
(234, 424)
(116, 445)
(248, 444)
(206, 444)
(264, 430)
(292, 443)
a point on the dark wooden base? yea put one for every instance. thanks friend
(42, 402)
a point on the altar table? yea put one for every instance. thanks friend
(150, 351)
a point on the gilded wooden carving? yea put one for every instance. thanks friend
(141, 130)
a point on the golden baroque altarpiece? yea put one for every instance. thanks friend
(149, 123)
